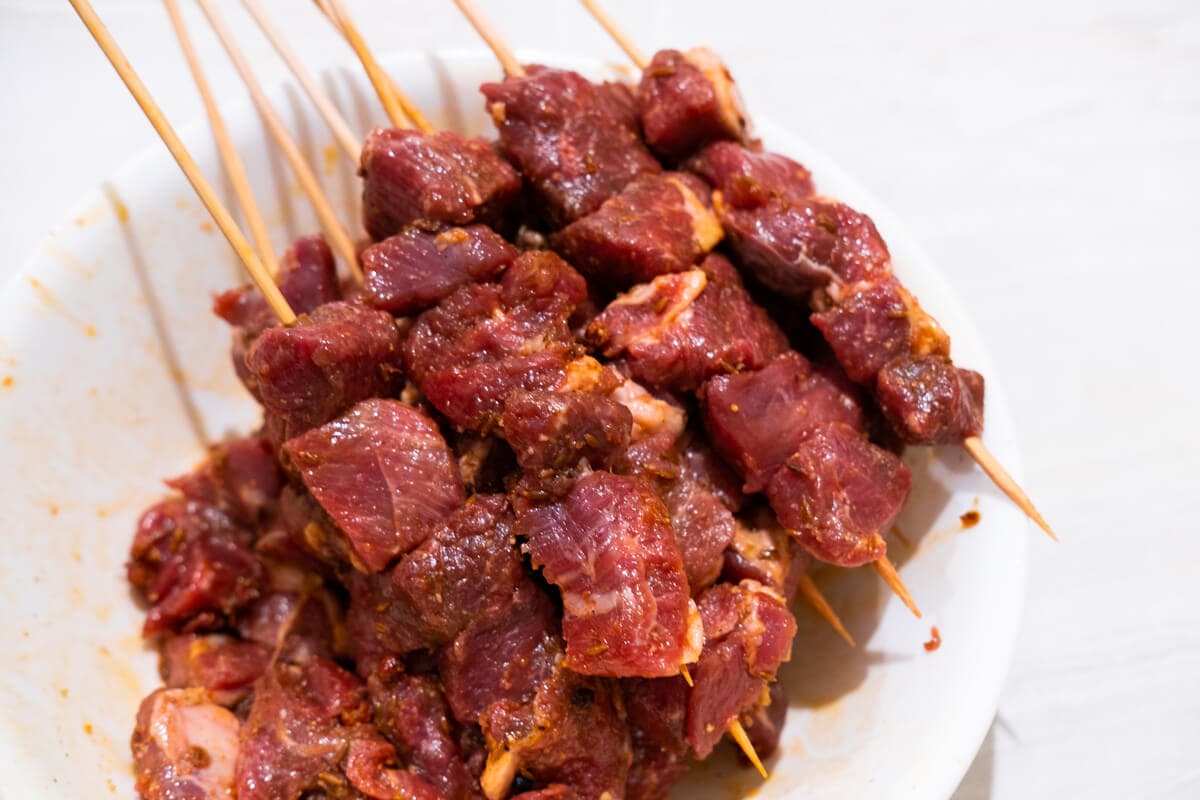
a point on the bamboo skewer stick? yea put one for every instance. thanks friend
(988, 463)
(808, 588)
(336, 14)
(337, 123)
(887, 570)
(237, 240)
(229, 155)
(504, 54)
(619, 36)
(743, 741)
(339, 237)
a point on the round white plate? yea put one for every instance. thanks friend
(113, 372)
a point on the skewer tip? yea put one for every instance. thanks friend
(687, 676)
(808, 588)
(887, 571)
(743, 741)
(988, 463)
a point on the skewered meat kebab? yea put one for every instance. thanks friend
(682, 329)
(813, 248)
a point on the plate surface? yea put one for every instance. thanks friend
(113, 373)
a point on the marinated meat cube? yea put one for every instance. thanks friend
(703, 529)
(762, 550)
(764, 725)
(610, 549)
(307, 278)
(223, 666)
(928, 400)
(238, 476)
(552, 431)
(411, 712)
(436, 178)
(867, 329)
(748, 179)
(379, 623)
(756, 420)
(837, 492)
(659, 223)
(657, 712)
(383, 473)
(678, 330)
(184, 746)
(688, 100)
(417, 268)
(699, 462)
(748, 633)
(298, 622)
(370, 768)
(297, 731)
(575, 142)
(193, 565)
(329, 360)
(468, 569)
(572, 732)
(473, 396)
(502, 658)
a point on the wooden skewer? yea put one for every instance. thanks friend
(687, 676)
(237, 240)
(337, 15)
(808, 588)
(337, 233)
(504, 54)
(1004, 481)
(619, 36)
(229, 155)
(887, 570)
(337, 123)
(743, 741)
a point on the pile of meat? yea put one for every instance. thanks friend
(609, 386)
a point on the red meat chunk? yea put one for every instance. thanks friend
(298, 730)
(703, 529)
(369, 766)
(238, 476)
(756, 420)
(699, 462)
(749, 179)
(383, 473)
(501, 658)
(748, 633)
(659, 223)
(551, 431)
(657, 712)
(184, 747)
(417, 268)
(473, 396)
(440, 178)
(928, 400)
(223, 666)
(867, 329)
(573, 732)
(307, 278)
(610, 548)
(762, 550)
(329, 360)
(193, 565)
(380, 624)
(300, 622)
(576, 142)
(837, 492)
(411, 712)
(688, 100)
(678, 330)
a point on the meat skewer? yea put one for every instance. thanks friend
(335, 11)
(973, 444)
(337, 123)
(338, 235)
(237, 240)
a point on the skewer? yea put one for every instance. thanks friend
(743, 741)
(237, 240)
(813, 595)
(337, 123)
(337, 14)
(988, 463)
(887, 571)
(229, 155)
(619, 36)
(337, 233)
(973, 444)
(504, 54)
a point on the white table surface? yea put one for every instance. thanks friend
(1048, 155)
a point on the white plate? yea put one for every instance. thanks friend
(112, 370)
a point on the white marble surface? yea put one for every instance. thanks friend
(1047, 153)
